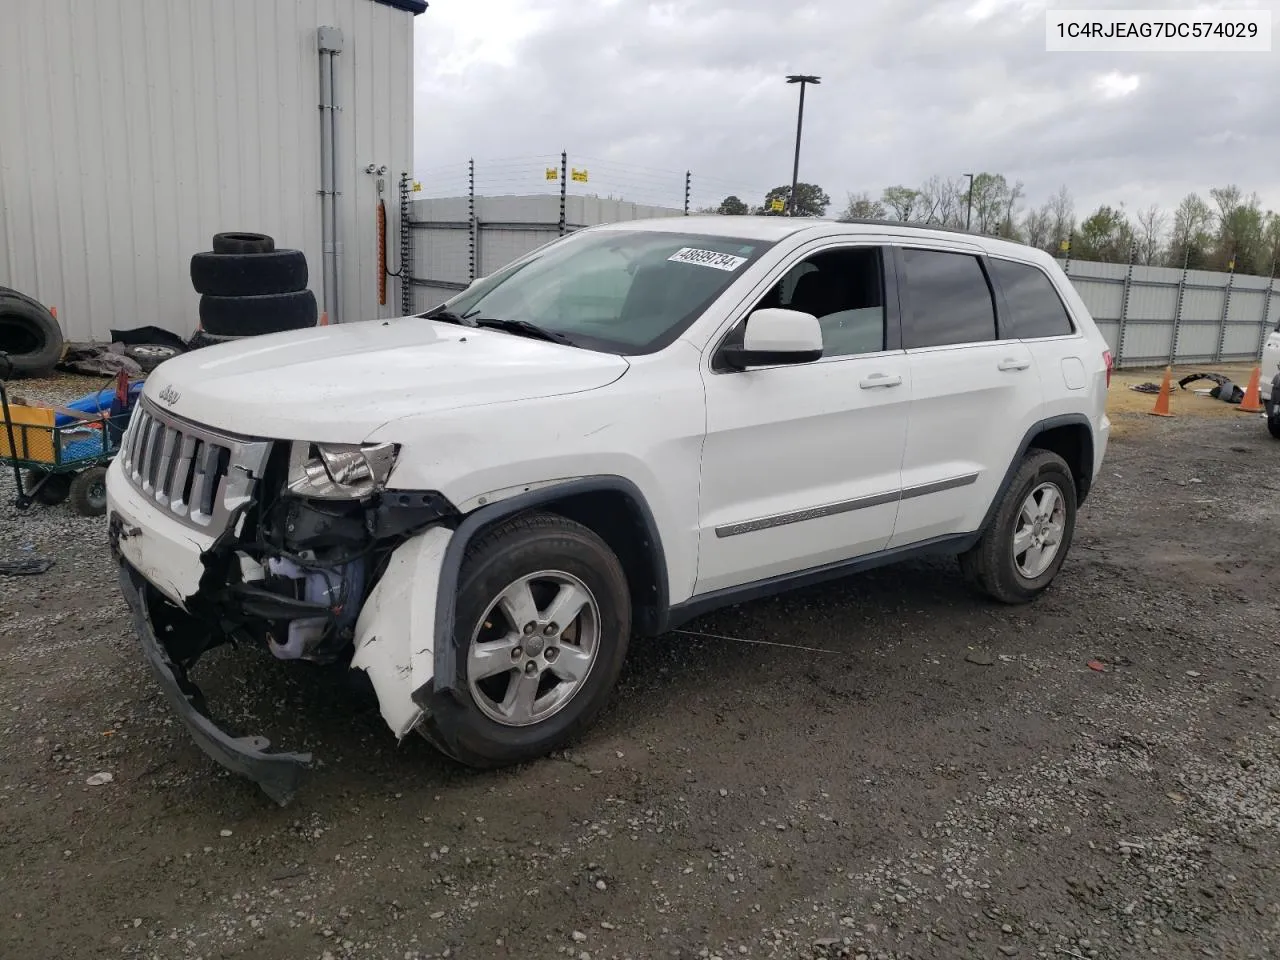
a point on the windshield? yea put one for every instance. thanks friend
(628, 292)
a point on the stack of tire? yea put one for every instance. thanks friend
(247, 287)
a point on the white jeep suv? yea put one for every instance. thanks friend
(637, 423)
(1269, 381)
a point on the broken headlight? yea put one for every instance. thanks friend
(340, 471)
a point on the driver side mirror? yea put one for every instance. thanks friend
(775, 336)
(474, 282)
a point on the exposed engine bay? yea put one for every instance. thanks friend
(291, 572)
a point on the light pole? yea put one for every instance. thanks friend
(802, 79)
(968, 212)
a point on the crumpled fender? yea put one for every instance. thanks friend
(395, 633)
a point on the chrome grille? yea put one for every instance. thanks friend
(198, 475)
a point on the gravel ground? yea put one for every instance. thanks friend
(941, 777)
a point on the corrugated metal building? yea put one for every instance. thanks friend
(131, 131)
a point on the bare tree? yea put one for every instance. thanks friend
(1150, 234)
(1063, 211)
(942, 202)
(1037, 227)
(1013, 195)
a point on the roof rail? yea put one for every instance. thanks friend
(916, 225)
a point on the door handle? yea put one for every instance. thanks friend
(1010, 363)
(880, 380)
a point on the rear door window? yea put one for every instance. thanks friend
(948, 299)
(1035, 309)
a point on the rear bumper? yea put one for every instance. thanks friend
(278, 774)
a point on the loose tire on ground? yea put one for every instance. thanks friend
(251, 316)
(548, 546)
(29, 335)
(88, 495)
(249, 274)
(51, 492)
(240, 242)
(150, 355)
(991, 565)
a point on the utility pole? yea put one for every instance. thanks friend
(802, 79)
(968, 213)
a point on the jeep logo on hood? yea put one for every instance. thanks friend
(169, 395)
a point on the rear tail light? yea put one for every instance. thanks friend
(1107, 359)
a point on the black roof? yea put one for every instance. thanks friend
(412, 6)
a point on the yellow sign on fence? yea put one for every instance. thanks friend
(553, 173)
(579, 175)
(1064, 246)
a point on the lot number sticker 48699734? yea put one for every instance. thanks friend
(708, 258)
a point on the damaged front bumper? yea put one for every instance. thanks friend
(278, 774)
(190, 592)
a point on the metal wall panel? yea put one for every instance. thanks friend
(1101, 271)
(1246, 306)
(1197, 342)
(133, 130)
(1200, 304)
(1146, 343)
(1240, 341)
(1149, 275)
(507, 227)
(1152, 302)
(1102, 297)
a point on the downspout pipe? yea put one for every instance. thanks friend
(329, 41)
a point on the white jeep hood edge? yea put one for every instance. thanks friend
(338, 384)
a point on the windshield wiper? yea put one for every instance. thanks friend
(523, 328)
(448, 316)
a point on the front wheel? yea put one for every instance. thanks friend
(1025, 546)
(1273, 419)
(543, 619)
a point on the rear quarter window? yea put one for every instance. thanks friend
(1035, 309)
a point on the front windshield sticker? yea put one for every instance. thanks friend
(708, 258)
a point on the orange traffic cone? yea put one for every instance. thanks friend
(1252, 402)
(53, 312)
(1161, 408)
(324, 319)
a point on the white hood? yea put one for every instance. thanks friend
(337, 384)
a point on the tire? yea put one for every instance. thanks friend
(29, 335)
(53, 490)
(465, 727)
(150, 355)
(201, 339)
(1273, 422)
(239, 242)
(251, 316)
(990, 566)
(249, 274)
(88, 494)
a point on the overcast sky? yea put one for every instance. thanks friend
(639, 91)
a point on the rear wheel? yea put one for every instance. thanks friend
(1273, 421)
(1025, 546)
(543, 621)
